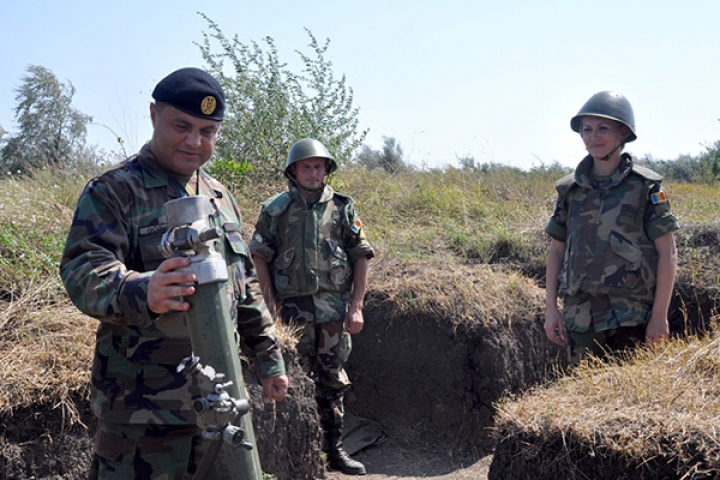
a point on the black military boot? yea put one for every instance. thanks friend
(341, 461)
(337, 458)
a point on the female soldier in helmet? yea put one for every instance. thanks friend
(612, 256)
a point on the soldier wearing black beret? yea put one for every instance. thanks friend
(114, 272)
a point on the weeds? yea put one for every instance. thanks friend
(451, 243)
(657, 404)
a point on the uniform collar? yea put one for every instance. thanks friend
(155, 175)
(585, 178)
(326, 196)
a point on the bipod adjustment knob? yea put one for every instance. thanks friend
(190, 234)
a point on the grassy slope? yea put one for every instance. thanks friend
(480, 232)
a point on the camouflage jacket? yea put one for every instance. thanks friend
(609, 227)
(310, 249)
(110, 254)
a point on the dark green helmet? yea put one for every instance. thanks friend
(309, 148)
(610, 105)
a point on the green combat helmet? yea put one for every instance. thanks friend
(309, 148)
(610, 105)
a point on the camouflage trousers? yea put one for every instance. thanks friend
(602, 344)
(145, 452)
(602, 324)
(323, 348)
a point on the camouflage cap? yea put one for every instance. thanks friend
(193, 91)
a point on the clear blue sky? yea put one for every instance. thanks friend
(497, 80)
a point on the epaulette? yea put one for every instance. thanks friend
(565, 183)
(277, 204)
(646, 173)
(342, 196)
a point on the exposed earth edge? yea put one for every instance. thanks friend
(431, 387)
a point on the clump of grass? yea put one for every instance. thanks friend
(658, 406)
(35, 214)
(45, 352)
(468, 296)
(487, 217)
(694, 203)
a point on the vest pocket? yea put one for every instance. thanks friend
(340, 270)
(237, 244)
(624, 263)
(282, 273)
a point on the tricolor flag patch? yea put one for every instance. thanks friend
(658, 197)
(356, 226)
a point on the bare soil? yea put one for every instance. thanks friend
(433, 388)
(393, 461)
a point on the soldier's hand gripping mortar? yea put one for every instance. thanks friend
(223, 412)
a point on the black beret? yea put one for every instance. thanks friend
(192, 91)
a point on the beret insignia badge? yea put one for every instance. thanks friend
(208, 105)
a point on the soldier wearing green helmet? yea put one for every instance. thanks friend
(612, 257)
(311, 256)
(309, 148)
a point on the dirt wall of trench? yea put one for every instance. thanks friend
(37, 443)
(424, 380)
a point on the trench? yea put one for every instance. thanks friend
(422, 379)
(425, 380)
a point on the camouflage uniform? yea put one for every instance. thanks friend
(110, 254)
(609, 226)
(310, 251)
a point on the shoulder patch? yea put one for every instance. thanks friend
(657, 195)
(356, 226)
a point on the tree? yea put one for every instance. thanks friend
(704, 168)
(325, 107)
(269, 107)
(390, 158)
(2, 138)
(51, 131)
(368, 158)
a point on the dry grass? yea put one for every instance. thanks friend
(463, 294)
(659, 404)
(450, 244)
(45, 352)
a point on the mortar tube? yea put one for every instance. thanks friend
(213, 341)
